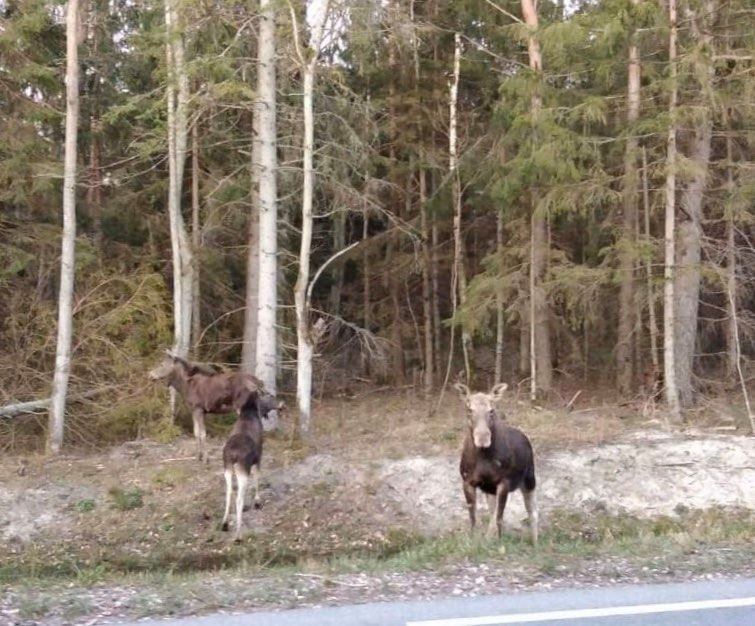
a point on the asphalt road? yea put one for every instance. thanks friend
(710, 603)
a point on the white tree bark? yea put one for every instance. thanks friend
(669, 360)
(459, 285)
(196, 239)
(266, 364)
(68, 254)
(249, 347)
(177, 102)
(305, 337)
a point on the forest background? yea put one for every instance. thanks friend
(554, 195)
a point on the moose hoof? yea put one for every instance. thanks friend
(224, 527)
(257, 505)
(245, 508)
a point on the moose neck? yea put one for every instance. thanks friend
(178, 379)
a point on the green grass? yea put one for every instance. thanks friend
(126, 500)
(569, 540)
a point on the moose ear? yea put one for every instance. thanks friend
(463, 390)
(498, 390)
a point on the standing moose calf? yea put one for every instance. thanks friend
(242, 454)
(496, 459)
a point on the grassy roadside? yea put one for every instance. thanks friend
(575, 549)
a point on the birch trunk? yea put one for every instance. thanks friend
(249, 347)
(306, 338)
(460, 283)
(266, 357)
(669, 352)
(67, 258)
(689, 236)
(183, 264)
(196, 240)
(541, 368)
(627, 250)
(304, 344)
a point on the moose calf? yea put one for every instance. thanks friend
(242, 453)
(496, 459)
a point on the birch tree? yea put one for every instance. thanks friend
(458, 282)
(68, 254)
(307, 335)
(265, 126)
(177, 92)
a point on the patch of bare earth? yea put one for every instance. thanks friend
(372, 509)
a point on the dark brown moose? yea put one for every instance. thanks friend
(496, 459)
(206, 391)
(242, 454)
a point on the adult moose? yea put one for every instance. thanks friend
(496, 459)
(206, 391)
(242, 454)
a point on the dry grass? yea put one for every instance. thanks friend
(395, 425)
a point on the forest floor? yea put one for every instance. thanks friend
(372, 509)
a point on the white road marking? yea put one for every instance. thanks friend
(610, 611)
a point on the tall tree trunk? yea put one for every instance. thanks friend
(459, 285)
(305, 349)
(669, 305)
(94, 175)
(339, 242)
(627, 326)
(540, 342)
(499, 318)
(196, 236)
(266, 362)
(732, 349)
(366, 269)
(306, 336)
(429, 361)
(68, 253)
(177, 101)
(251, 309)
(689, 236)
(652, 322)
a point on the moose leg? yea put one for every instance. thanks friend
(242, 480)
(492, 508)
(470, 494)
(200, 434)
(256, 485)
(228, 493)
(530, 503)
(501, 494)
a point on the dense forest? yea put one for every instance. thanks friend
(349, 192)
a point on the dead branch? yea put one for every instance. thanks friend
(36, 406)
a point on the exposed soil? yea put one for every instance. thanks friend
(351, 494)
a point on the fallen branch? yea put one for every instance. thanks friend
(37, 406)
